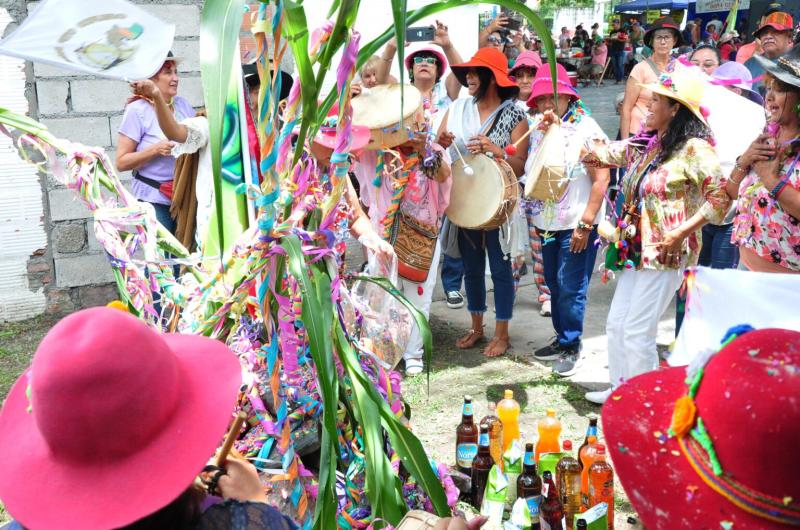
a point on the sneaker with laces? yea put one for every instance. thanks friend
(568, 362)
(545, 311)
(414, 367)
(550, 352)
(455, 299)
(599, 397)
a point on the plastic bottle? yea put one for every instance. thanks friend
(549, 430)
(529, 486)
(551, 513)
(495, 427)
(601, 483)
(590, 431)
(466, 439)
(481, 466)
(568, 482)
(587, 457)
(508, 412)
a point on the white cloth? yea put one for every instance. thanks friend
(719, 299)
(197, 140)
(565, 214)
(640, 299)
(411, 290)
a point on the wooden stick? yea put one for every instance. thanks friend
(603, 75)
(233, 432)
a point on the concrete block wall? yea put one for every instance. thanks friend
(73, 268)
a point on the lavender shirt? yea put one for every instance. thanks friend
(140, 124)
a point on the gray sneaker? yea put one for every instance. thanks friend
(568, 362)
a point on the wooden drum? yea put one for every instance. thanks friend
(379, 109)
(487, 198)
(547, 176)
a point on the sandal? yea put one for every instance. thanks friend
(492, 349)
(469, 340)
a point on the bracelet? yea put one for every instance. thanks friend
(740, 168)
(584, 226)
(778, 189)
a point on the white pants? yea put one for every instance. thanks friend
(411, 290)
(639, 301)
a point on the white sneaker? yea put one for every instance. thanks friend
(545, 311)
(414, 367)
(598, 397)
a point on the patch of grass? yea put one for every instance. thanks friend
(18, 342)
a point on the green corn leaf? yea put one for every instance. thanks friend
(219, 34)
(317, 316)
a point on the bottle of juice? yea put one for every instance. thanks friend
(495, 426)
(508, 412)
(568, 482)
(601, 483)
(549, 430)
(466, 439)
(587, 457)
(590, 431)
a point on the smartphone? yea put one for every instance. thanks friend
(418, 34)
(513, 23)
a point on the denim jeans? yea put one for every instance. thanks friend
(567, 275)
(717, 252)
(618, 64)
(474, 245)
(452, 274)
(163, 216)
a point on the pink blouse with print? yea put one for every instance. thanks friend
(761, 224)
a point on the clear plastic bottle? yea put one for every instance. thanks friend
(568, 482)
(495, 426)
(508, 412)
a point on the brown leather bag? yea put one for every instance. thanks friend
(414, 244)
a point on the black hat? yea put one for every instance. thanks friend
(786, 67)
(250, 72)
(663, 23)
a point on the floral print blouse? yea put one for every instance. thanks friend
(689, 181)
(762, 225)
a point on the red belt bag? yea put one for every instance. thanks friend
(166, 188)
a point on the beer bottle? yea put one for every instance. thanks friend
(590, 431)
(466, 439)
(495, 434)
(551, 512)
(481, 466)
(529, 486)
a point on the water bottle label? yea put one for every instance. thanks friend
(467, 409)
(465, 454)
(530, 459)
(483, 439)
(533, 506)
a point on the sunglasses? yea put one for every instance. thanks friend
(424, 60)
(664, 37)
(495, 40)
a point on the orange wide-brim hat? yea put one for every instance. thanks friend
(490, 58)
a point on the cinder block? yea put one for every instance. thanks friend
(192, 89)
(185, 17)
(91, 131)
(89, 269)
(52, 96)
(99, 95)
(114, 122)
(69, 238)
(47, 70)
(66, 206)
(189, 52)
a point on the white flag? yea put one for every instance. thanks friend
(721, 299)
(109, 38)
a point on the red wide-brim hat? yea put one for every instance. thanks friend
(490, 58)
(121, 421)
(748, 400)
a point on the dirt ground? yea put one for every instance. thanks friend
(456, 373)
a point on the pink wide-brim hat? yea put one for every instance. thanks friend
(112, 421)
(526, 59)
(543, 84)
(415, 49)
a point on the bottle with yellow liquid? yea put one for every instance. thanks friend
(508, 412)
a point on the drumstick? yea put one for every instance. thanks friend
(511, 149)
(233, 432)
(467, 169)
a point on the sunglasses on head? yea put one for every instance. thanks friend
(424, 60)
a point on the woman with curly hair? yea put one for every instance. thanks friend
(673, 185)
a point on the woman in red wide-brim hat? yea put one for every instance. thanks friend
(484, 123)
(712, 445)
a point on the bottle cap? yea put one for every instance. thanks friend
(567, 445)
(509, 394)
(529, 448)
(468, 398)
(484, 429)
(600, 448)
(551, 413)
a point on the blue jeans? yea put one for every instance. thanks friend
(567, 275)
(717, 252)
(163, 217)
(474, 245)
(618, 64)
(452, 273)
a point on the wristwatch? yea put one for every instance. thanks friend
(584, 226)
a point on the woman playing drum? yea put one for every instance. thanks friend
(484, 124)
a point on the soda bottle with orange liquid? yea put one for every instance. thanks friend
(508, 412)
(549, 430)
(601, 483)
(587, 458)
